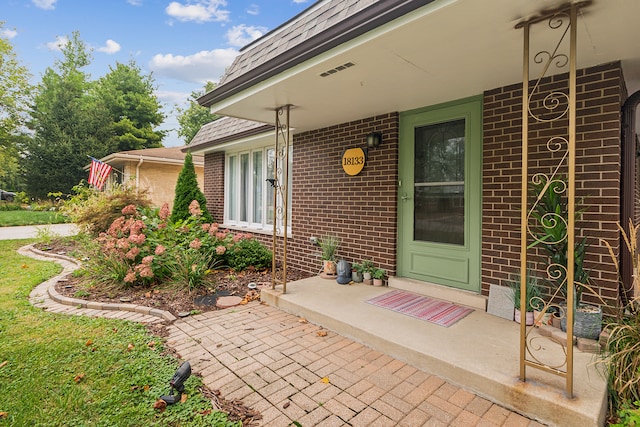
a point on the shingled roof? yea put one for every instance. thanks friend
(225, 129)
(321, 16)
(324, 25)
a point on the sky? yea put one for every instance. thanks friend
(181, 43)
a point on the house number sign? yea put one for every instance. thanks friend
(353, 161)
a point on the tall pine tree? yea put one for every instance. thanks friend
(187, 191)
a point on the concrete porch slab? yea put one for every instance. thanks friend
(479, 353)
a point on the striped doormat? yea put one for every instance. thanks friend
(421, 307)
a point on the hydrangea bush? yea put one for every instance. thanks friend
(143, 247)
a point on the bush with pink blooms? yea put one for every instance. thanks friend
(143, 248)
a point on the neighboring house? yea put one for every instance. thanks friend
(154, 169)
(409, 70)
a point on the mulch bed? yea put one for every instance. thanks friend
(177, 302)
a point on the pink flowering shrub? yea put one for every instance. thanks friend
(142, 247)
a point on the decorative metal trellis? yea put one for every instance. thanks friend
(280, 182)
(556, 108)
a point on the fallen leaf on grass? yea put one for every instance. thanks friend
(160, 404)
(78, 377)
(114, 330)
(3, 415)
(325, 380)
(322, 333)
(205, 412)
(148, 295)
(25, 266)
(302, 320)
(3, 364)
(88, 343)
(151, 344)
(130, 347)
(183, 398)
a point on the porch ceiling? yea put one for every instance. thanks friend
(446, 50)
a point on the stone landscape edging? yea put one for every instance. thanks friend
(70, 264)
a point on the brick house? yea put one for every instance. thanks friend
(447, 215)
(153, 169)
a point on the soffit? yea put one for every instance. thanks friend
(446, 50)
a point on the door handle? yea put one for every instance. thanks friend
(404, 197)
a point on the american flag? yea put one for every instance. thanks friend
(99, 173)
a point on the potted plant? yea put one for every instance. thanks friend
(534, 301)
(356, 272)
(367, 270)
(378, 276)
(550, 231)
(329, 247)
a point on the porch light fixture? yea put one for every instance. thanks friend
(374, 139)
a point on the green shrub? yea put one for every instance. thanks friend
(94, 211)
(249, 253)
(187, 191)
(629, 416)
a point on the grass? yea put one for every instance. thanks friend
(62, 370)
(24, 217)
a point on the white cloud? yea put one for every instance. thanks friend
(58, 44)
(135, 2)
(240, 35)
(198, 11)
(45, 4)
(173, 97)
(207, 65)
(299, 1)
(110, 47)
(253, 9)
(8, 34)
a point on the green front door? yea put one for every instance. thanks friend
(439, 200)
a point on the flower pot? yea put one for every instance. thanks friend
(587, 322)
(542, 319)
(367, 281)
(329, 267)
(366, 275)
(356, 276)
(378, 282)
(529, 317)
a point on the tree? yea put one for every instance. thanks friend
(195, 116)
(187, 191)
(128, 97)
(68, 125)
(14, 105)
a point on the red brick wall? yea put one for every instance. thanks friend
(360, 209)
(599, 98)
(214, 184)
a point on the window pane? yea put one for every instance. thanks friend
(439, 214)
(440, 152)
(244, 187)
(271, 161)
(439, 183)
(233, 189)
(258, 183)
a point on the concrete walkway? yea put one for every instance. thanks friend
(31, 231)
(291, 370)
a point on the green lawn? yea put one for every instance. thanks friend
(25, 217)
(64, 370)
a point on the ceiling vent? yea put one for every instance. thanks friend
(338, 68)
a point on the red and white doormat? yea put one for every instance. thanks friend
(421, 307)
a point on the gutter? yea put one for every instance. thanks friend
(627, 188)
(138, 172)
(361, 23)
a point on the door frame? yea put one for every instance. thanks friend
(467, 257)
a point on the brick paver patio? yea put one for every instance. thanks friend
(290, 370)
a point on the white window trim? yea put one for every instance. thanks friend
(262, 227)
